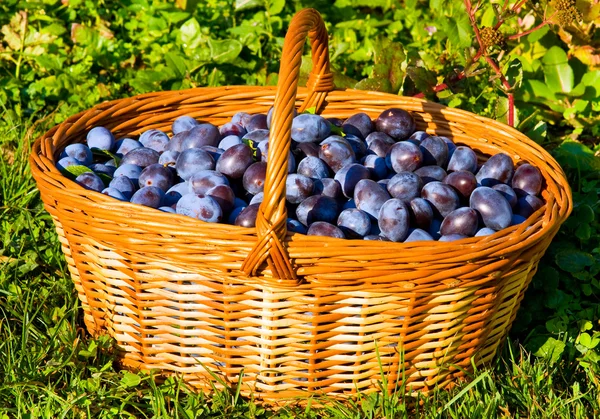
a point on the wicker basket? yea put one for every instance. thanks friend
(290, 314)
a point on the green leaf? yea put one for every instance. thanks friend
(577, 156)
(535, 36)
(585, 214)
(514, 74)
(225, 51)
(502, 111)
(539, 132)
(423, 79)
(335, 130)
(54, 29)
(378, 85)
(174, 17)
(50, 62)
(130, 380)
(588, 341)
(557, 324)
(458, 29)
(556, 299)
(276, 6)
(489, 17)
(573, 260)
(190, 35)
(387, 74)
(536, 90)
(105, 153)
(557, 71)
(248, 4)
(583, 232)
(342, 81)
(75, 170)
(547, 278)
(176, 63)
(312, 110)
(91, 351)
(551, 350)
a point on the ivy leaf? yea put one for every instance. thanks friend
(557, 71)
(535, 36)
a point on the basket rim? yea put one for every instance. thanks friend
(512, 233)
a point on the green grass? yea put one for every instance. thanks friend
(51, 368)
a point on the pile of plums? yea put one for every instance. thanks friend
(354, 178)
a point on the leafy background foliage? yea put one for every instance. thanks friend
(58, 57)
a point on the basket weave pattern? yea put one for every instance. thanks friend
(287, 313)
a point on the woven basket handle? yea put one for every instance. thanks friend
(271, 220)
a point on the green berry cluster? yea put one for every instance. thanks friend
(567, 12)
(491, 37)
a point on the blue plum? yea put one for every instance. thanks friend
(142, 157)
(359, 124)
(394, 220)
(325, 229)
(201, 135)
(156, 175)
(183, 123)
(354, 223)
(309, 128)
(80, 152)
(369, 196)
(131, 171)
(493, 208)
(234, 161)
(193, 160)
(405, 186)
(404, 156)
(100, 137)
(114, 193)
(203, 208)
(90, 180)
(125, 145)
(154, 139)
(124, 185)
(150, 196)
(397, 123)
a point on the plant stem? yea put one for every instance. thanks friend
(482, 52)
(527, 32)
(24, 26)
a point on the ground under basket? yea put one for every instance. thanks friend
(289, 314)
